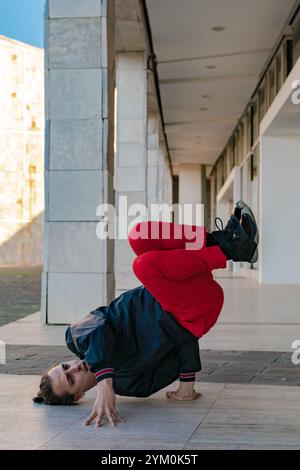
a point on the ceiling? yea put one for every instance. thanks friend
(201, 104)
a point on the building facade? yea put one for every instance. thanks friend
(260, 162)
(21, 153)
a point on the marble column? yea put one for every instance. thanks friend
(131, 153)
(165, 182)
(191, 191)
(79, 158)
(159, 177)
(153, 158)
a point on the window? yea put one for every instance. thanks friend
(254, 163)
(255, 118)
(262, 103)
(296, 37)
(289, 56)
(234, 159)
(271, 88)
(278, 72)
(249, 129)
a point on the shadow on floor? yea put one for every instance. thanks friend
(20, 292)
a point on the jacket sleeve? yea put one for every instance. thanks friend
(93, 339)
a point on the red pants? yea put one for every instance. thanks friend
(179, 278)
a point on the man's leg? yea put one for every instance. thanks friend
(189, 364)
(181, 363)
(182, 282)
(154, 235)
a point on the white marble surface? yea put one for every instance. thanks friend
(30, 330)
(136, 108)
(124, 255)
(130, 154)
(74, 195)
(225, 417)
(252, 416)
(131, 179)
(125, 278)
(74, 8)
(254, 318)
(74, 247)
(74, 43)
(152, 157)
(76, 144)
(259, 337)
(75, 94)
(131, 61)
(74, 295)
(133, 197)
(131, 130)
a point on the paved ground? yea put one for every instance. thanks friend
(20, 292)
(227, 416)
(262, 367)
(251, 343)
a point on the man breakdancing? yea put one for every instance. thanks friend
(148, 336)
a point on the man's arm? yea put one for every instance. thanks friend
(94, 339)
(105, 405)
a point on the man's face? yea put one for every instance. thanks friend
(72, 377)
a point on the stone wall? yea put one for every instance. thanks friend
(21, 153)
(78, 267)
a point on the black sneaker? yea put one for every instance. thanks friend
(238, 240)
(247, 212)
(249, 224)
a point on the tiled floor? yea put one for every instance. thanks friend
(265, 367)
(254, 318)
(225, 417)
(263, 319)
(20, 292)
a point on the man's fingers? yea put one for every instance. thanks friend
(91, 418)
(99, 421)
(122, 420)
(111, 418)
(115, 418)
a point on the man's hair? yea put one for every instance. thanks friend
(48, 397)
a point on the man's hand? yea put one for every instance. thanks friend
(105, 405)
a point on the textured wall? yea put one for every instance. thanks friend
(131, 155)
(78, 267)
(21, 153)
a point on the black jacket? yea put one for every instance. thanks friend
(136, 342)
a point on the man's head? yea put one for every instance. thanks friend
(65, 383)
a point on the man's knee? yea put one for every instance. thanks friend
(137, 236)
(144, 266)
(133, 236)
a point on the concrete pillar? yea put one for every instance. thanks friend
(153, 159)
(131, 151)
(165, 191)
(168, 182)
(279, 208)
(78, 266)
(161, 172)
(237, 196)
(191, 188)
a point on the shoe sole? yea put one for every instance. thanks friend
(254, 257)
(247, 210)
